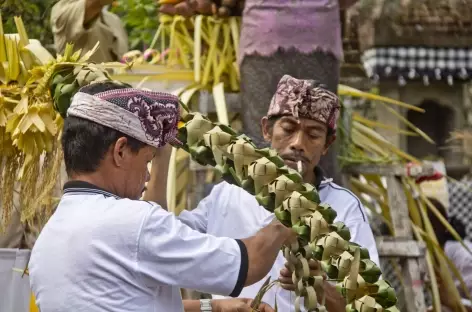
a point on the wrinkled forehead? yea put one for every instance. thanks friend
(304, 123)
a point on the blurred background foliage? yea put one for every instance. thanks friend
(141, 20)
(35, 15)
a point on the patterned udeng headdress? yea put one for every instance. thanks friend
(150, 117)
(301, 98)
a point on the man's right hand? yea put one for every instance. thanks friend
(291, 234)
(237, 305)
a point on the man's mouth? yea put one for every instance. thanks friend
(292, 162)
(296, 162)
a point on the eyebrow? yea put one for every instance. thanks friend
(309, 127)
(316, 127)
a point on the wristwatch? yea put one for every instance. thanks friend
(205, 305)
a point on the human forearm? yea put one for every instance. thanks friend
(156, 190)
(93, 9)
(192, 305)
(263, 248)
(345, 4)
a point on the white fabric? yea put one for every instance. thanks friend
(462, 260)
(15, 292)
(100, 253)
(230, 211)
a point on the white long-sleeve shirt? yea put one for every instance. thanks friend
(102, 253)
(232, 212)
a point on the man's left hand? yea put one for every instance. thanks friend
(285, 278)
(335, 302)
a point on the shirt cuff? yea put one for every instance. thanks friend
(243, 270)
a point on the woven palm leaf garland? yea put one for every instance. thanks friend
(278, 188)
(281, 190)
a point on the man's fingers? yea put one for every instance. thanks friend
(285, 272)
(315, 270)
(289, 287)
(285, 280)
(314, 265)
(264, 307)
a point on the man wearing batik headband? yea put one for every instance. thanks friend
(105, 250)
(301, 126)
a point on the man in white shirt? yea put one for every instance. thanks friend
(300, 125)
(86, 22)
(103, 250)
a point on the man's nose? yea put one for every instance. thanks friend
(297, 142)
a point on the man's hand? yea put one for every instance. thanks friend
(285, 278)
(292, 238)
(334, 301)
(237, 305)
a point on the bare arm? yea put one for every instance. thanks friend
(222, 305)
(263, 248)
(72, 19)
(157, 186)
(217, 265)
(93, 9)
(345, 4)
(192, 305)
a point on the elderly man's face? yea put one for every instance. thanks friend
(297, 140)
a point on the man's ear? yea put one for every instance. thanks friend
(329, 140)
(266, 131)
(119, 151)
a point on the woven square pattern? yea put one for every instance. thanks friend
(460, 198)
(414, 63)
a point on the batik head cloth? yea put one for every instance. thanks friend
(303, 98)
(150, 117)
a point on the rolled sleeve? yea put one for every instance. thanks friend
(171, 253)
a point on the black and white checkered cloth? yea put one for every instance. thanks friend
(414, 63)
(460, 199)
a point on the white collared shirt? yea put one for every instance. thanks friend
(99, 252)
(230, 211)
(462, 260)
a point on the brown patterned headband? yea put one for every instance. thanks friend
(150, 117)
(298, 98)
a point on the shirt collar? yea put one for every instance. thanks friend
(82, 187)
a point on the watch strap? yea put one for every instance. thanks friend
(205, 305)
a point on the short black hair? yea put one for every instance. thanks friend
(442, 234)
(86, 143)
